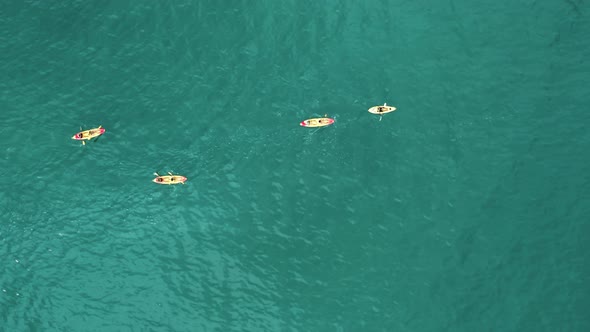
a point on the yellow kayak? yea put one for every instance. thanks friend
(169, 179)
(381, 109)
(89, 134)
(317, 122)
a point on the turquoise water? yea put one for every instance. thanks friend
(464, 210)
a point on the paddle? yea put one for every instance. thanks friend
(313, 132)
(319, 116)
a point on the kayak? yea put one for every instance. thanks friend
(169, 179)
(89, 134)
(381, 109)
(317, 122)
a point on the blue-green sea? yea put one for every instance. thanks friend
(466, 209)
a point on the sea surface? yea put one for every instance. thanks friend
(466, 209)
